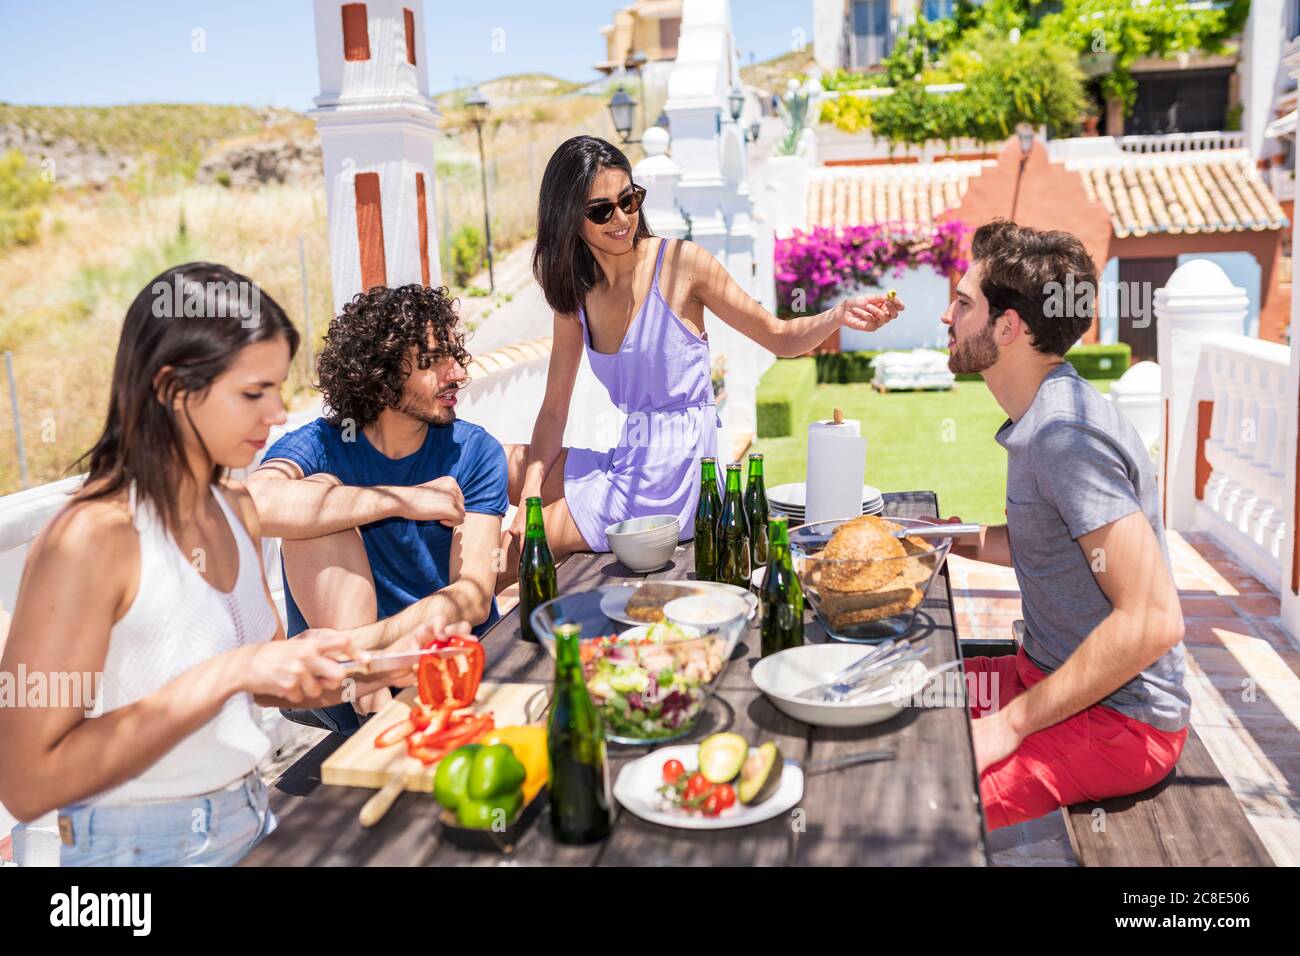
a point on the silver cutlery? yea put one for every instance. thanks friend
(863, 665)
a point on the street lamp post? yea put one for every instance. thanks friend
(476, 103)
(622, 110)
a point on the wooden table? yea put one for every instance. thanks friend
(920, 809)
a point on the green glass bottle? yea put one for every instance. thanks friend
(733, 534)
(536, 575)
(781, 598)
(575, 746)
(707, 512)
(756, 512)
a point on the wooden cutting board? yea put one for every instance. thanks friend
(359, 763)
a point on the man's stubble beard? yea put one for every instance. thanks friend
(975, 355)
(429, 413)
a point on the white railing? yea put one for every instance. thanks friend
(1242, 502)
(1182, 142)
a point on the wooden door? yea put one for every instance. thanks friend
(1134, 302)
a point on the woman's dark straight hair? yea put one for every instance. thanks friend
(562, 264)
(194, 318)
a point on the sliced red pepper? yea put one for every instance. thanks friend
(430, 748)
(395, 734)
(452, 683)
(420, 718)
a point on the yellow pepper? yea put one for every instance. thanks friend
(529, 745)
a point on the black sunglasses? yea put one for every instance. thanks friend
(601, 212)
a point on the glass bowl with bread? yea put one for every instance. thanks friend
(652, 653)
(866, 583)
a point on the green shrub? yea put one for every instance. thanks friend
(1100, 361)
(22, 193)
(467, 250)
(842, 368)
(783, 396)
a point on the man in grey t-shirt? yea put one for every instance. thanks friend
(1093, 705)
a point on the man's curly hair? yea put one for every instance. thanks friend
(364, 364)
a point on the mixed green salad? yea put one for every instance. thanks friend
(652, 686)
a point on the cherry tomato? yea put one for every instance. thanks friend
(713, 803)
(673, 771)
(697, 786)
(726, 795)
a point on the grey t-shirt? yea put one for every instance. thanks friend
(1075, 464)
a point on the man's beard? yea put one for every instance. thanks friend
(977, 354)
(431, 413)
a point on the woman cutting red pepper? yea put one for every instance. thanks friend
(446, 685)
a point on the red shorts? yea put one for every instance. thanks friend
(1095, 754)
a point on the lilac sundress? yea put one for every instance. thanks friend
(660, 377)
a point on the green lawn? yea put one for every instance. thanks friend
(936, 441)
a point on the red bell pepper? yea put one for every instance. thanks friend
(420, 718)
(452, 682)
(430, 748)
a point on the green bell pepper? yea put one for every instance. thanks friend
(451, 782)
(496, 772)
(492, 813)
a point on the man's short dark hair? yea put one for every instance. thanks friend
(364, 364)
(1022, 268)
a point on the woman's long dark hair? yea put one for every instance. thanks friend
(562, 263)
(194, 318)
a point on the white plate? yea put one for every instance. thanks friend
(637, 788)
(793, 496)
(613, 603)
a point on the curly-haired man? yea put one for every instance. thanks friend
(389, 506)
(1093, 704)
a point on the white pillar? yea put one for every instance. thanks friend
(713, 192)
(659, 175)
(377, 125)
(1290, 412)
(1261, 56)
(1199, 301)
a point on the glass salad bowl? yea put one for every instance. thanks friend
(864, 588)
(649, 673)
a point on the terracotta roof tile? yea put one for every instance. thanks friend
(909, 192)
(1216, 190)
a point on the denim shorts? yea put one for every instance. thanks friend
(212, 829)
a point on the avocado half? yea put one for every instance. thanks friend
(722, 756)
(761, 774)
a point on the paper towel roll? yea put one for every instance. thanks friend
(837, 458)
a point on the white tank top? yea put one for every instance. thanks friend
(177, 621)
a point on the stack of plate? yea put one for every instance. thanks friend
(787, 501)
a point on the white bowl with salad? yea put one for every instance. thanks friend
(650, 682)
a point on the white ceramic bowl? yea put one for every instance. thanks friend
(707, 612)
(786, 674)
(645, 544)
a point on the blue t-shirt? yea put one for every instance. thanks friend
(408, 559)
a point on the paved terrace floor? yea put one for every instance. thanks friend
(1243, 673)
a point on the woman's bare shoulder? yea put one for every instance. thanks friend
(86, 532)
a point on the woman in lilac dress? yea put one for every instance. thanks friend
(636, 303)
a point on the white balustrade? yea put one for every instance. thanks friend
(1203, 357)
(1244, 499)
(1182, 142)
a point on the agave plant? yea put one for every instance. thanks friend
(794, 110)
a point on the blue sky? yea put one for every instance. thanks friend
(105, 52)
